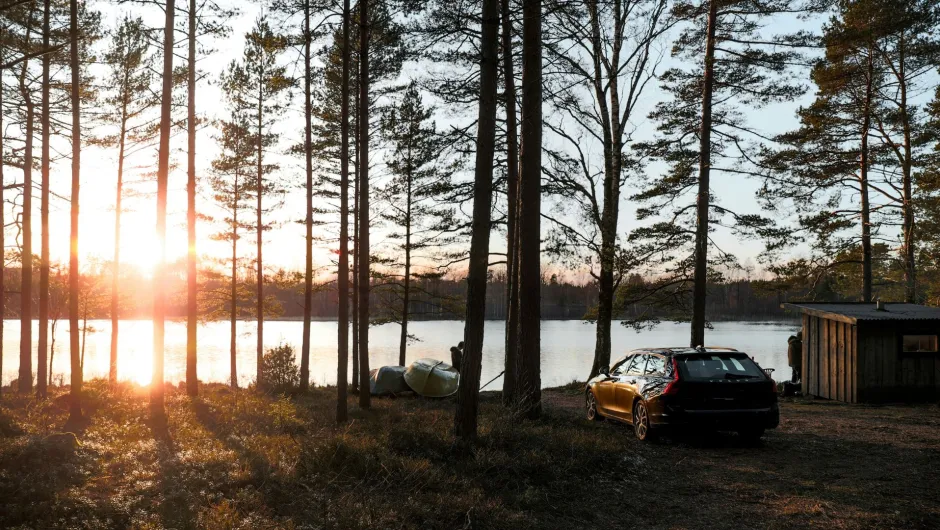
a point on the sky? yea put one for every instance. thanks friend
(283, 245)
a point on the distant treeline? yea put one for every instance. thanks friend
(433, 299)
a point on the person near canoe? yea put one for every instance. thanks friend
(456, 354)
(795, 355)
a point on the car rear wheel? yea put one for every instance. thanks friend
(590, 403)
(641, 422)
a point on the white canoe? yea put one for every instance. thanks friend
(432, 378)
(387, 380)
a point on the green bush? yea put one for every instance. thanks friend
(279, 369)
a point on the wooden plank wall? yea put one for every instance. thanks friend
(831, 359)
(864, 362)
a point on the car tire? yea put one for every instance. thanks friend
(590, 405)
(641, 422)
(751, 436)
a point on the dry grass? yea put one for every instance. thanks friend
(244, 460)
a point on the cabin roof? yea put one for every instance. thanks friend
(853, 312)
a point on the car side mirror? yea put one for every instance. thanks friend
(605, 370)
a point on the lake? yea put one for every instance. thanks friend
(567, 347)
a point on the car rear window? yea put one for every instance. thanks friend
(708, 366)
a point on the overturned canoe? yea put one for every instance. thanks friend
(387, 380)
(432, 378)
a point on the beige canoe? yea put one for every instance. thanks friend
(432, 378)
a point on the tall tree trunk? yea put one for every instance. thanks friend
(406, 299)
(342, 353)
(25, 383)
(233, 288)
(192, 382)
(3, 261)
(116, 269)
(75, 410)
(612, 167)
(43, 350)
(907, 248)
(512, 211)
(863, 182)
(355, 280)
(465, 419)
(157, 409)
(701, 231)
(529, 391)
(233, 348)
(363, 244)
(259, 377)
(308, 158)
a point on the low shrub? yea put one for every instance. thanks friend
(280, 371)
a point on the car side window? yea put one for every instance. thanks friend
(636, 367)
(655, 366)
(621, 368)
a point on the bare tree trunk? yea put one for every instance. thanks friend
(512, 212)
(3, 261)
(529, 391)
(355, 280)
(116, 270)
(907, 248)
(42, 353)
(406, 301)
(259, 377)
(75, 410)
(157, 410)
(25, 383)
(699, 290)
(465, 419)
(308, 247)
(342, 353)
(308, 156)
(863, 184)
(192, 382)
(233, 325)
(363, 244)
(610, 121)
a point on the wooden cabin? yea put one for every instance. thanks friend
(870, 352)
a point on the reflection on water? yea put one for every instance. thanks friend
(567, 347)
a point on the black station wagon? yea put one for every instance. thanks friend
(706, 388)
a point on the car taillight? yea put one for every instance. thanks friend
(773, 385)
(673, 387)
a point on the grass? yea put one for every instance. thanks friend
(245, 460)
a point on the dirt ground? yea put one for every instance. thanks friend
(828, 465)
(245, 460)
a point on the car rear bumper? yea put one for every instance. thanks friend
(730, 419)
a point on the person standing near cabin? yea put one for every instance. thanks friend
(795, 355)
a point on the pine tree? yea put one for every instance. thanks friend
(362, 243)
(232, 189)
(343, 270)
(528, 374)
(604, 55)
(75, 409)
(512, 201)
(413, 198)
(130, 66)
(702, 130)
(465, 420)
(157, 409)
(910, 48)
(257, 87)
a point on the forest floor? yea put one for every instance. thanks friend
(245, 460)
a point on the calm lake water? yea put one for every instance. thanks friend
(567, 347)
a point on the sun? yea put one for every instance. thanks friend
(139, 248)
